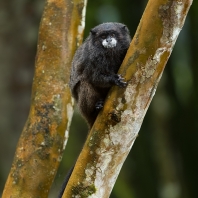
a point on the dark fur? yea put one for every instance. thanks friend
(94, 68)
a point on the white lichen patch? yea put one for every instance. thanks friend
(44, 47)
(56, 106)
(171, 16)
(59, 158)
(70, 111)
(89, 172)
(120, 104)
(104, 162)
(153, 90)
(142, 51)
(66, 139)
(76, 196)
(81, 27)
(159, 52)
(98, 151)
(149, 68)
(52, 172)
(43, 143)
(130, 93)
(106, 141)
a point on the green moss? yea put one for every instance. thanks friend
(83, 191)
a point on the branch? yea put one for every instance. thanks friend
(118, 124)
(42, 142)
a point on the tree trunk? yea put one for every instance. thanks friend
(45, 134)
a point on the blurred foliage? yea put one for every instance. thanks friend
(163, 162)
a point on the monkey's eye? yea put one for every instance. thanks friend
(113, 35)
(103, 36)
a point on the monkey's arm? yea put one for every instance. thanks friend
(107, 80)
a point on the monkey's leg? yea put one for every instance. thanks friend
(87, 100)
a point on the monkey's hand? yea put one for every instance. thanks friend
(119, 81)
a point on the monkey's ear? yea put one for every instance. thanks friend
(124, 27)
(93, 32)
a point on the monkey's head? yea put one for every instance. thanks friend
(110, 36)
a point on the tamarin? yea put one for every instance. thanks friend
(95, 66)
(94, 70)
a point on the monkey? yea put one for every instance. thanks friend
(94, 70)
(95, 66)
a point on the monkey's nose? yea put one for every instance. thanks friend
(109, 39)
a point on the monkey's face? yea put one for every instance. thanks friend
(104, 39)
(110, 36)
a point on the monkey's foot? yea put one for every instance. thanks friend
(99, 105)
(120, 81)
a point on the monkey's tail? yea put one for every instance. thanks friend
(65, 182)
